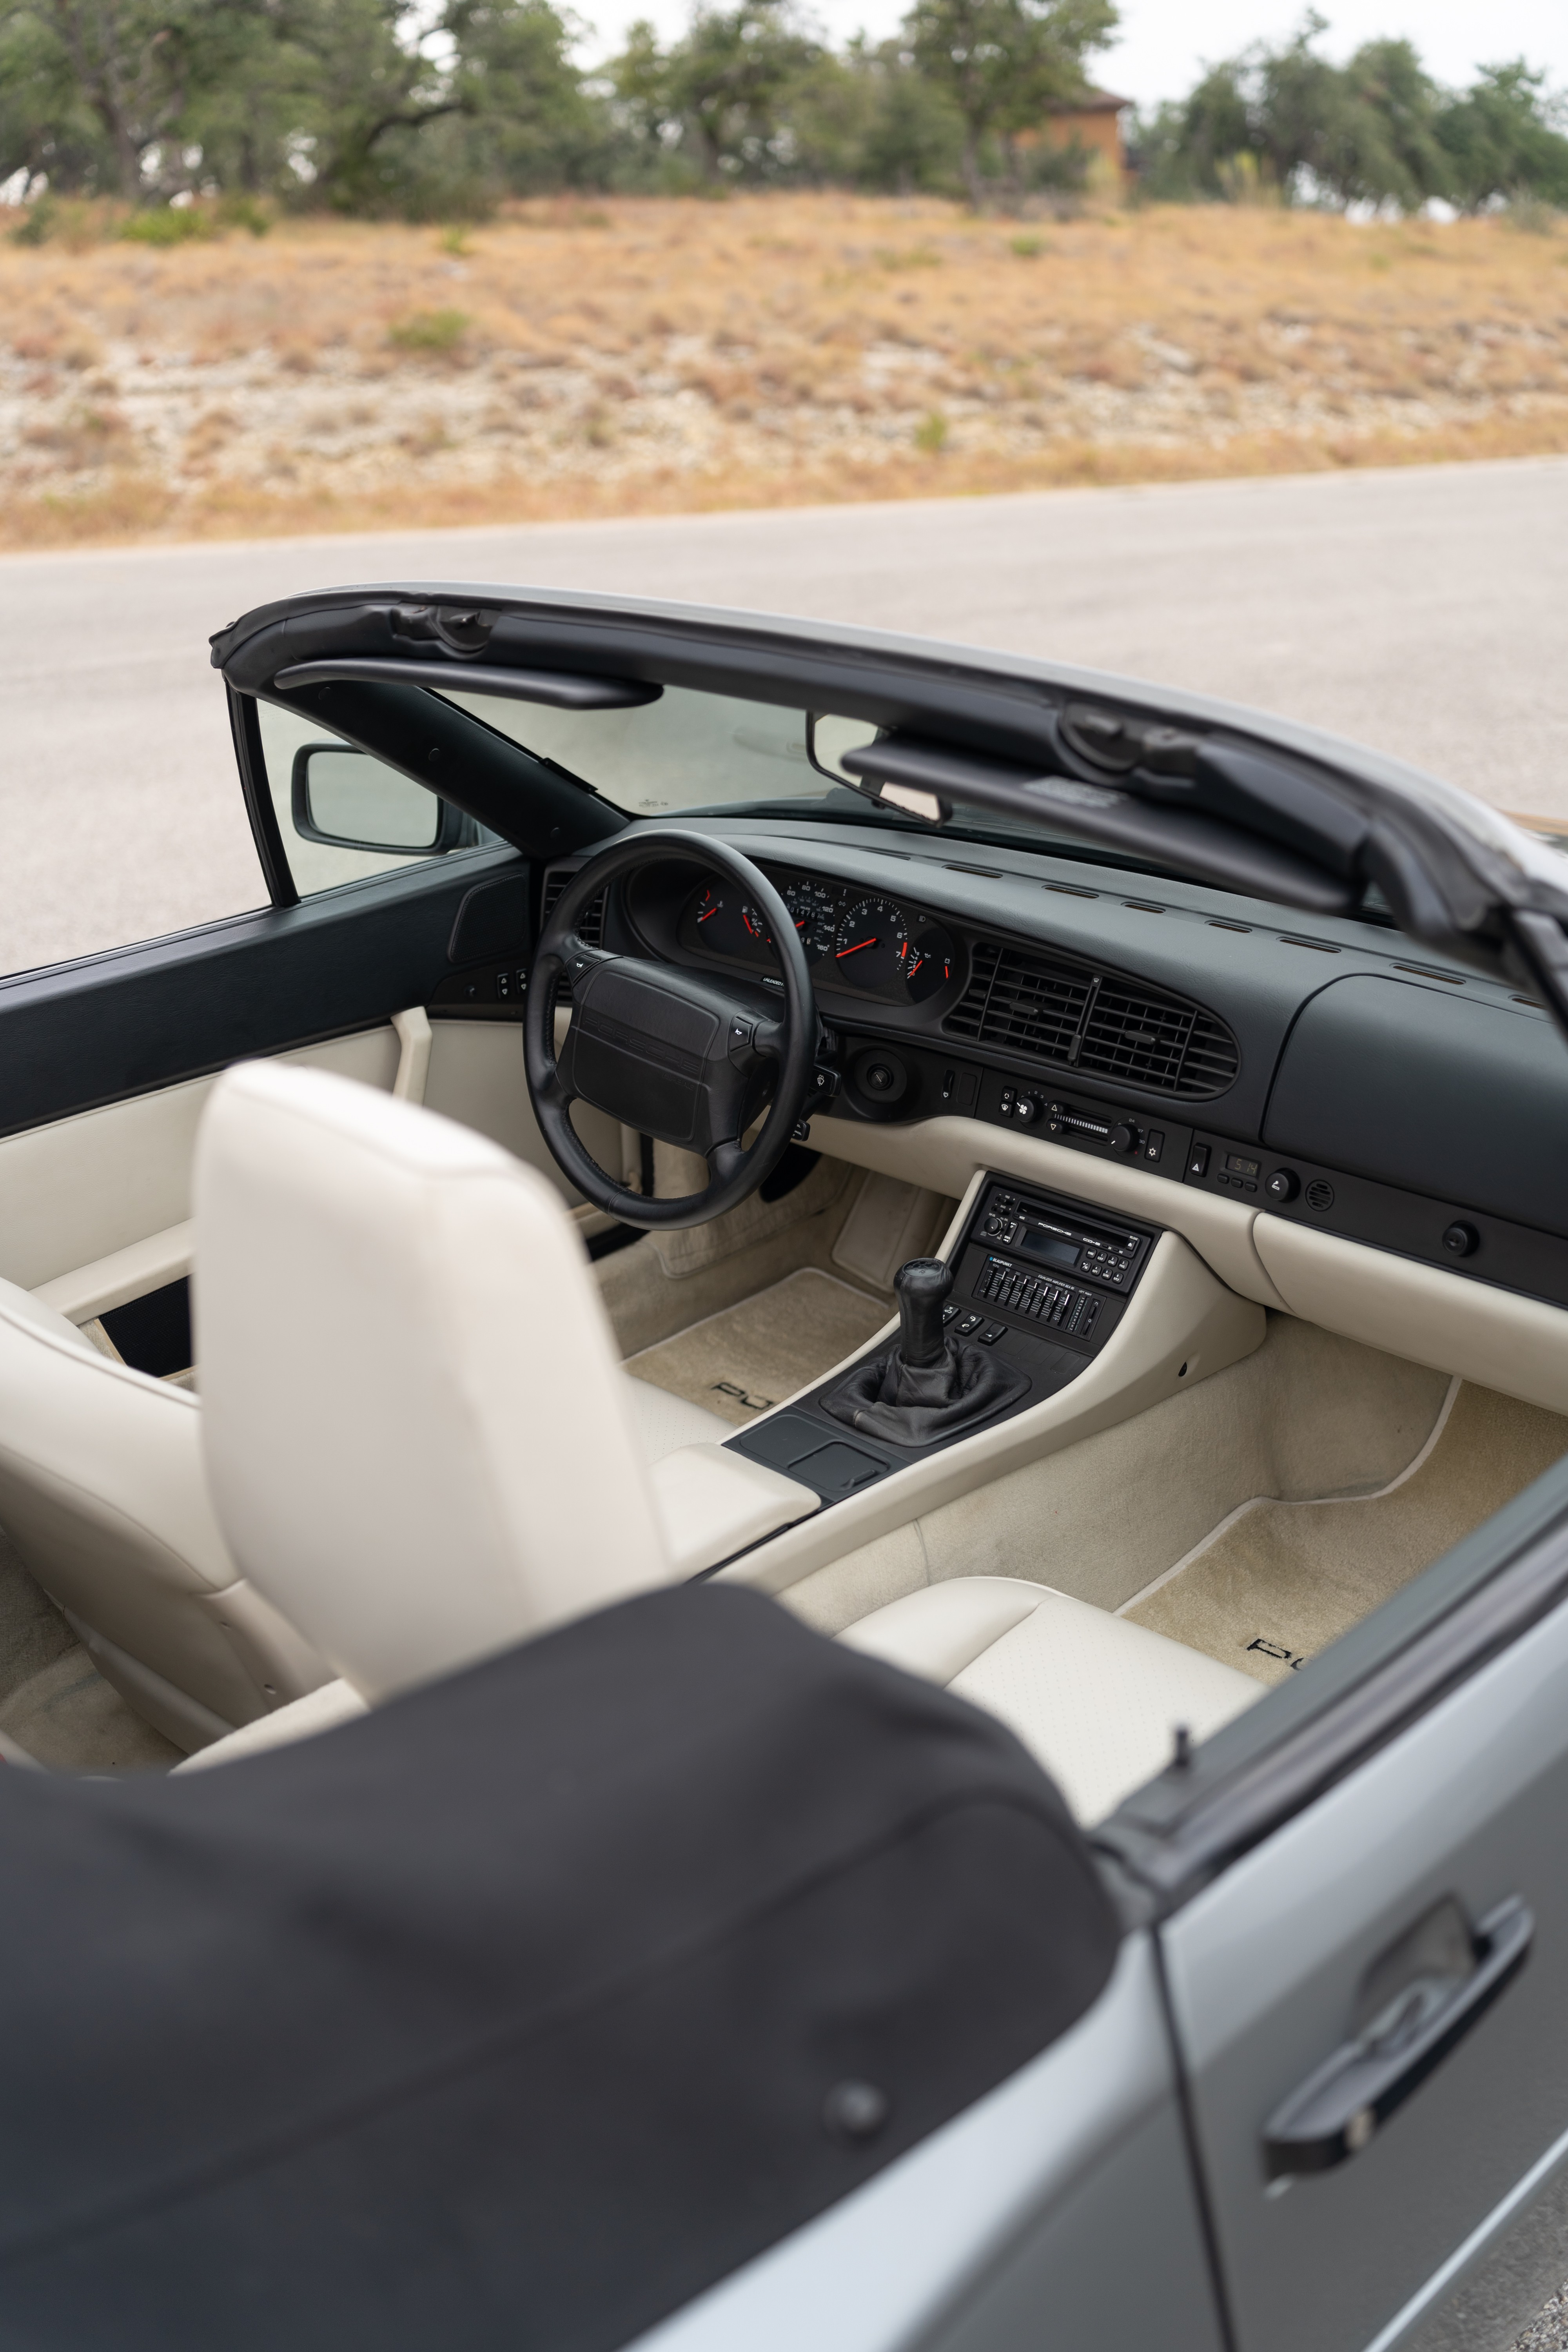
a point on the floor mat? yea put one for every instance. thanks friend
(1275, 1582)
(750, 1357)
(70, 1719)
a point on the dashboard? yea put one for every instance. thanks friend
(1326, 1071)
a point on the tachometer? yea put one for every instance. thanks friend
(870, 945)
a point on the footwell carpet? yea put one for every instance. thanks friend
(1275, 1582)
(740, 1362)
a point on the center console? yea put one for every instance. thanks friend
(1040, 1279)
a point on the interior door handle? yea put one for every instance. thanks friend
(1337, 2110)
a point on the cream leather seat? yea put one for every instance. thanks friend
(102, 1494)
(416, 1431)
(1096, 1698)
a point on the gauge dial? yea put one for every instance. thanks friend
(725, 924)
(931, 961)
(870, 945)
(813, 907)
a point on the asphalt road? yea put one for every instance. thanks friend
(1425, 611)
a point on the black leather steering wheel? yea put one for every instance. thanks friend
(691, 1058)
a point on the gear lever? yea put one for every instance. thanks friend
(923, 1286)
(929, 1387)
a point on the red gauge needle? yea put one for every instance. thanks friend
(856, 949)
(711, 911)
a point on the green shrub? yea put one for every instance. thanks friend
(169, 224)
(432, 333)
(931, 434)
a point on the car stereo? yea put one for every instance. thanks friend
(1044, 1234)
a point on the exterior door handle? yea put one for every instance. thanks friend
(1338, 2109)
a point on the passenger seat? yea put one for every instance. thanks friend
(1095, 1699)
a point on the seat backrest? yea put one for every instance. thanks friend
(412, 1418)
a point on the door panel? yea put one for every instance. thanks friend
(115, 1025)
(1266, 1969)
(80, 1189)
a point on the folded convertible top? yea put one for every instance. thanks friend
(523, 2008)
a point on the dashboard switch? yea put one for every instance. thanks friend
(1461, 1240)
(1283, 1185)
(1198, 1159)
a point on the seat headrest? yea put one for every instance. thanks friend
(414, 1422)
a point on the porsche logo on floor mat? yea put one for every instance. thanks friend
(742, 1396)
(1294, 1659)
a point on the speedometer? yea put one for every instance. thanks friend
(870, 945)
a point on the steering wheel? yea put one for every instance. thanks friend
(683, 1055)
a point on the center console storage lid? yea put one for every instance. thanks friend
(1431, 1089)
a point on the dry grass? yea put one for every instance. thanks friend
(650, 356)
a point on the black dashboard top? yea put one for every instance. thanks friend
(1019, 986)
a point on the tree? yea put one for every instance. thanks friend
(95, 93)
(1502, 139)
(1003, 63)
(1288, 121)
(724, 97)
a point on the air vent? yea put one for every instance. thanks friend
(1320, 1195)
(590, 922)
(1087, 1022)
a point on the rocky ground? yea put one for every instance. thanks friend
(651, 355)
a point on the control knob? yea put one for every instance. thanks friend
(1126, 1140)
(1461, 1239)
(1028, 1109)
(1283, 1185)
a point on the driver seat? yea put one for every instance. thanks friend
(104, 1495)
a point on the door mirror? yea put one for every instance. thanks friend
(828, 737)
(352, 801)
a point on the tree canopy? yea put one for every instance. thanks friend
(443, 107)
(1377, 131)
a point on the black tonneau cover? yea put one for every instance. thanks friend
(524, 2009)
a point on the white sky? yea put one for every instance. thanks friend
(1164, 42)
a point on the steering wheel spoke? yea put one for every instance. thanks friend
(726, 1160)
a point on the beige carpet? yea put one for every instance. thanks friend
(1276, 1583)
(750, 1357)
(52, 1701)
(69, 1717)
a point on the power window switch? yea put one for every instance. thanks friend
(949, 1310)
(992, 1333)
(504, 986)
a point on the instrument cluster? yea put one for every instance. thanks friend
(854, 940)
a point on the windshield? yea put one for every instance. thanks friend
(694, 753)
(686, 751)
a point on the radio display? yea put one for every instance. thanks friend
(1055, 1251)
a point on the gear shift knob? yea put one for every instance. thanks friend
(923, 1286)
